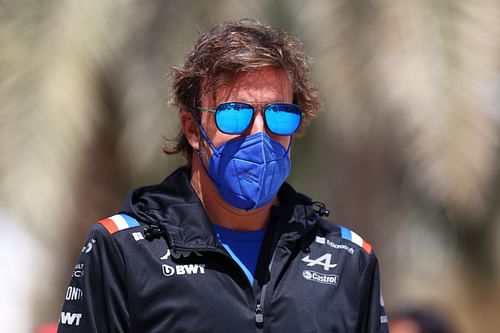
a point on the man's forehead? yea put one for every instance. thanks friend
(266, 83)
(224, 80)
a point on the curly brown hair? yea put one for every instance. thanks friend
(233, 47)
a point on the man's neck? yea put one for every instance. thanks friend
(219, 211)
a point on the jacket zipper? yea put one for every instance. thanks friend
(259, 308)
(259, 314)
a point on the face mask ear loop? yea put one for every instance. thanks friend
(214, 151)
(289, 145)
(204, 135)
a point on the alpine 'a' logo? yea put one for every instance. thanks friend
(325, 261)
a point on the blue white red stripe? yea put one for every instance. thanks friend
(118, 222)
(355, 238)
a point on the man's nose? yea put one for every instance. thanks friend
(258, 124)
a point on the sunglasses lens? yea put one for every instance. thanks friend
(283, 118)
(233, 118)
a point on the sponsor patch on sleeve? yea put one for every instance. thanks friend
(118, 222)
(355, 238)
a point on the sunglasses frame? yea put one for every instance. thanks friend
(261, 110)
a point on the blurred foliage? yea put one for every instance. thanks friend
(405, 151)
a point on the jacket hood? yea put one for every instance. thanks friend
(174, 206)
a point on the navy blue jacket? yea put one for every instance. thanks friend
(158, 267)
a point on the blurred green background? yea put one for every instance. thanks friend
(405, 150)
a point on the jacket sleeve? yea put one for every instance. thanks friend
(372, 311)
(96, 298)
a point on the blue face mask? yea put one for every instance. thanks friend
(248, 171)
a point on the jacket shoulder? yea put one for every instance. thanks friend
(347, 236)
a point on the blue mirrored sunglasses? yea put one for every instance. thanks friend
(236, 117)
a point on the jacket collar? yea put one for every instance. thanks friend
(174, 206)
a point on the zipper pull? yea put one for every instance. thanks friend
(259, 314)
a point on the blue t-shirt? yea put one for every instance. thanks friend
(242, 246)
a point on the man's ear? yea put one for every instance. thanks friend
(190, 129)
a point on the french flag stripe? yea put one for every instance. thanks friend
(130, 221)
(367, 247)
(355, 238)
(109, 224)
(345, 233)
(118, 222)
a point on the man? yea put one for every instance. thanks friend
(224, 244)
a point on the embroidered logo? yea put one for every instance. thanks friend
(189, 269)
(90, 245)
(331, 279)
(325, 261)
(183, 269)
(325, 241)
(69, 318)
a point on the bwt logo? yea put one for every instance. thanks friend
(68, 318)
(183, 269)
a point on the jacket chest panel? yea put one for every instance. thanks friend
(181, 289)
(316, 282)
